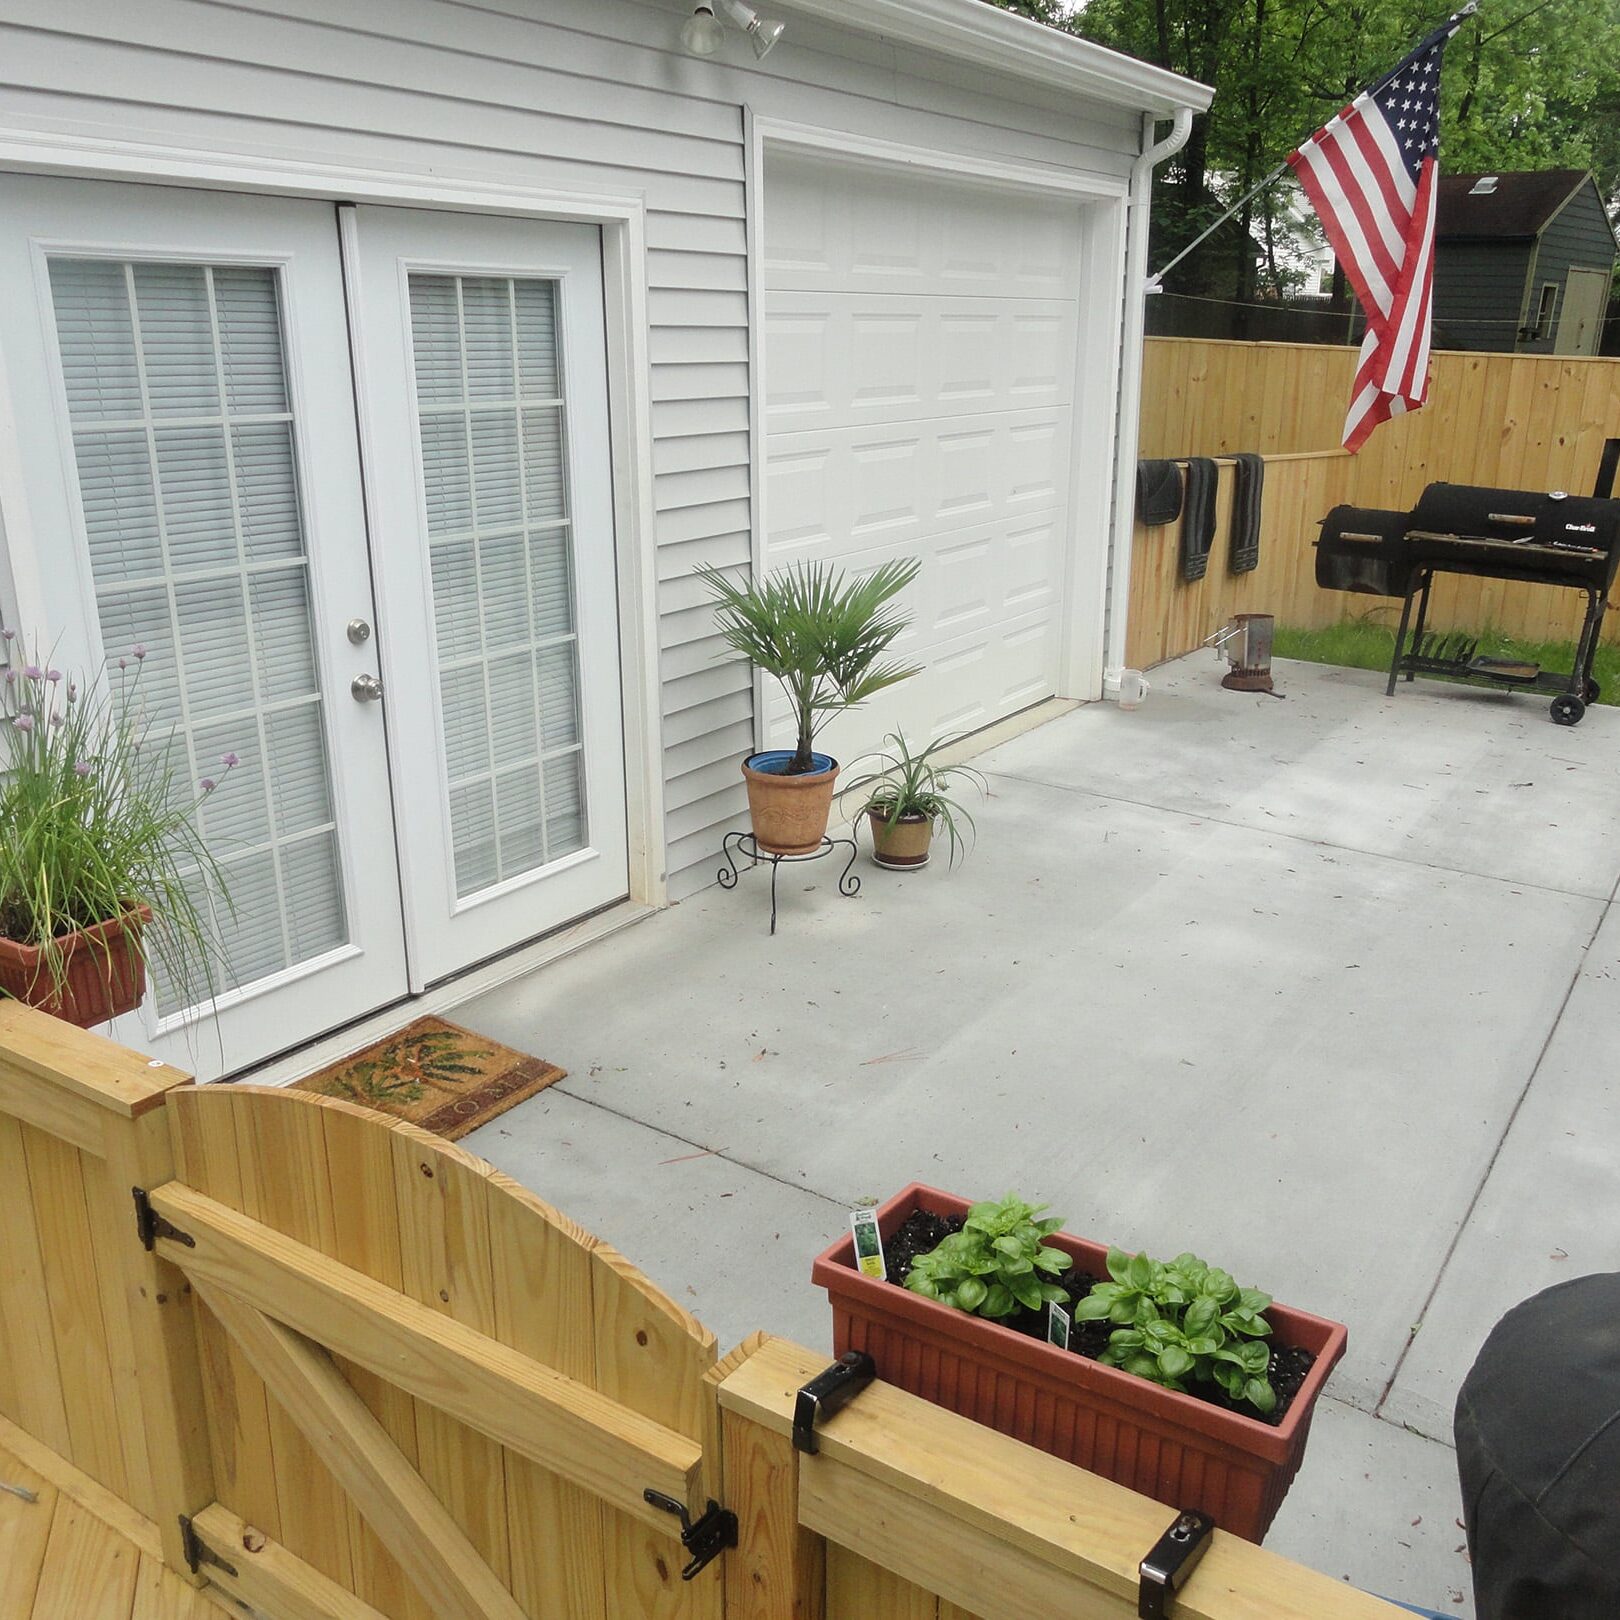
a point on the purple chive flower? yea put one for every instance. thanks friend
(24, 722)
(228, 760)
(11, 677)
(123, 663)
(56, 719)
(209, 784)
(82, 768)
(9, 636)
(53, 676)
(139, 650)
(73, 691)
(33, 671)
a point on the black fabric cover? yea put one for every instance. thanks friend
(1244, 555)
(1158, 492)
(1198, 517)
(1538, 1455)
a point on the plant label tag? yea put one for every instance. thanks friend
(868, 1243)
(1057, 1325)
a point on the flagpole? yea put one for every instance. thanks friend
(1154, 281)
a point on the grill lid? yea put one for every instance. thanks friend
(1548, 519)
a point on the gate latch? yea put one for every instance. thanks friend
(827, 1392)
(707, 1538)
(1174, 1557)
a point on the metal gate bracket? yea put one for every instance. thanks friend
(826, 1393)
(197, 1551)
(151, 1226)
(707, 1538)
(1175, 1555)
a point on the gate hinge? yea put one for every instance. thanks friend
(707, 1538)
(197, 1551)
(151, 1226)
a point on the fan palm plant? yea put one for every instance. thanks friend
(822, 635)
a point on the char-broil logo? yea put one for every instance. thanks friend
(1580, 528)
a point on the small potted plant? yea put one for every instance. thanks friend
(823, 636)
(97, 836)
(1167, 1376)
(907, 800)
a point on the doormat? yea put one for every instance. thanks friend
(437, 1075)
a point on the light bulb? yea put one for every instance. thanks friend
(703, 34)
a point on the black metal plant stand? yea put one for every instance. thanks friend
(743, 842)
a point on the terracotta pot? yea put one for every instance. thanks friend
(105, 972)
(1183, 1451)
(900, 844)
(789, 813)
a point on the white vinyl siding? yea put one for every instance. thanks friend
(585, 95)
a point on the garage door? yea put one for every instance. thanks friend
(919, 348)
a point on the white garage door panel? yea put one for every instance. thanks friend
(920, 359)
(836, 359)
(836, 494)
(850, 230)
(984, 626)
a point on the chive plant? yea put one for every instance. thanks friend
(97, 819)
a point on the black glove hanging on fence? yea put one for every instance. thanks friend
(1198, 518)
(1244, 555)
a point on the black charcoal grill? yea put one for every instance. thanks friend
(1512, 534)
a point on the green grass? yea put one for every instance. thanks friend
(1370, 644)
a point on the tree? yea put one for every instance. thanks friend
(1528, 84)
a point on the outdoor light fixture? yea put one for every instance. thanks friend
(703, 33)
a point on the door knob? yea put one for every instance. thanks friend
(366, 689)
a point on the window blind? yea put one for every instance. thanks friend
(183, 443)
(492, 438)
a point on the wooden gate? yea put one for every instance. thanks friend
(421, 1382)
(341, 1370)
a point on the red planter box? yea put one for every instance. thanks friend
(1176, 1448)
(104, 971)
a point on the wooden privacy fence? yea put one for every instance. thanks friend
(350, 1372)
(1511, 421)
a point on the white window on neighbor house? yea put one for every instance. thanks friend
(1546, 307)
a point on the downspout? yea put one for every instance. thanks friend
(1127, 430)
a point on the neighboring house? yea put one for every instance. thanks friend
(1522, 262)
(350, 342)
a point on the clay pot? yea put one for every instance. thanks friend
(1176, 1448)
(900, 844)
(105, 975)
(789, 813)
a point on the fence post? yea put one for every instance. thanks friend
(778, 1570)
(105, 1103)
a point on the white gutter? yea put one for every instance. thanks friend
(994, 40)
(1127, 424)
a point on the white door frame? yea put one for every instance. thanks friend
(1101, 201)
(622, 219)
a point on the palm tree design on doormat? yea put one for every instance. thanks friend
(402, 1071)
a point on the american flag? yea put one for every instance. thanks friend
(1371, 173)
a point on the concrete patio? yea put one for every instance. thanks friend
(1323, 988)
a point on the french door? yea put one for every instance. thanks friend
(484, 375)
(189, 512)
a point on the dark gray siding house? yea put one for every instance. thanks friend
(1523, 262)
